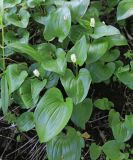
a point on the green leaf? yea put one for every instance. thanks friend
(126, 78)
(20, 20)
(129, 123)
(4, 94)
(80, 50)
(112, 150)
(28, 94)
(25, 122)
(116, 40)
(58, 24)
(34, 3)
(96, 50)
(100, 71)
(125, 9)
(120, 132)
(76, 87)
(95, 151)
(57, 65)
(52, 114)
(111, 55)
(11, 3)
(103, 104)
(82, 113)
(114, 118)
(78, 8)
(66, 147)
(102, 30)
(16, 74)
(27, 49)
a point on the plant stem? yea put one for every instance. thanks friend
(2, 36)
(76, 70)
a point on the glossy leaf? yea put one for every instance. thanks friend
(34, 3)
(58, 24)
(65, 147)
(120, 132)
(11, 3)
(28, 94)
(20, 20)
(101, 72)
(25, 121)
(96, 50)
(102, 30)
(76, 87)
(4, 94)
(52, 114)
(80, 50)
(125, 9)
(16, 74)
(82, 112)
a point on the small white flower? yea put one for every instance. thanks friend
(73, 58)
(92, 22)
(103, 22)
(65, 17)
(36, 73)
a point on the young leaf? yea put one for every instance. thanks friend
(16, 74)
(112, 150)
(4, 94)
(120, 132)
(95, 151)
(58, 24)
(80, 50)
(76, 87)
(103, 104)
(20, 20)
(82, 112)
(52, 114)
(66, 147)
(25, 121)
(125, 9)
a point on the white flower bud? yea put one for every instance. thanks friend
(92, 22)
(65, 17)
(103, 22)
(73, 58)
(36, 73)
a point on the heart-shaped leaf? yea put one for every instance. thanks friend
(95, 151)
(113, 147)
(126, 78)
(58, 24)
(57, 65)
(125, 9)
(52, 114)
(96, 50)
(16, 74)
(28, 94)
(66, 147)
(80, 50)
(82, 112)
(76, 87)
(101, 72)
(20, 20)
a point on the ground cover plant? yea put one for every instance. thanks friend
(66, 75)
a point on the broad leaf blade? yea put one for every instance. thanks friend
(52, 114)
